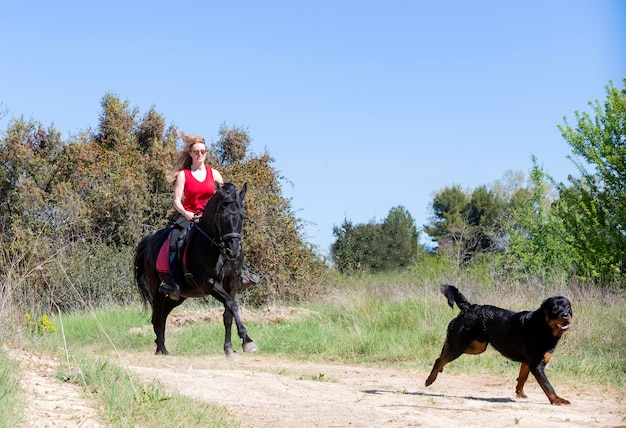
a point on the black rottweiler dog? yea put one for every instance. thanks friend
(527, 337)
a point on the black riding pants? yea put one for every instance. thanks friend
(181, 224)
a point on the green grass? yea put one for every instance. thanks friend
(11, 395)
(123, 399)
(406, 327)
(127, 402)
(392, 321)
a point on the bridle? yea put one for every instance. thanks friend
(222, 237)
(230, 235)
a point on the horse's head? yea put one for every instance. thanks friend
(227, 218)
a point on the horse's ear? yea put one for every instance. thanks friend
(244, 189)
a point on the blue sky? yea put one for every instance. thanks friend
(364, 105)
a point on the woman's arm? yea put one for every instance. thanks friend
(217, 177)
(179, 191)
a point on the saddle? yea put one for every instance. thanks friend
(176, 244)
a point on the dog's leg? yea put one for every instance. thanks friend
(524, 370)
(450, 352)
(437, 368)
(538, 372)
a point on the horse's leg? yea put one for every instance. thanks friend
(161, 308)
(228, 327)
(230, 305)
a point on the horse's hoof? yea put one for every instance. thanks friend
(250, 347)
(230, 353)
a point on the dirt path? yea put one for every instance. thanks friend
(263, 391)
(50, 402)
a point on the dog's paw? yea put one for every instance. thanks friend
(557, 401)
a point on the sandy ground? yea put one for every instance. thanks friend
(52, 402)
(264, 391)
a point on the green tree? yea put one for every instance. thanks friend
(274, 241)
(376, 246)
(344, 250)
(400, 239)
(157, 144)
(117, 123)
(484, 213)
(71, 208)
(538, 241)
(28, 201)
(594, 205)
(466, 225)
(233, 144)
(356, 246)
(448, 206)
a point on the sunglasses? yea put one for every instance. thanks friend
(198, 152)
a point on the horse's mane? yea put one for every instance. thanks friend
(228, 192)
(224, 194)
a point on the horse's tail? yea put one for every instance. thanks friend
(454, 296)
(140, 271)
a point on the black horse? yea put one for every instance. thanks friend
(212, 265)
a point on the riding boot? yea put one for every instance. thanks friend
(248, 277)
(171, 289)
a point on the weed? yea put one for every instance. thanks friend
(41, 326)
(318, 377)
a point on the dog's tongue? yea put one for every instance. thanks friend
(563, 326)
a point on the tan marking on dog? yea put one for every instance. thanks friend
(546, 357)
(476, 348)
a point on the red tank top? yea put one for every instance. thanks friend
(197, 193)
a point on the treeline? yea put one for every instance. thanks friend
(521, 226)
(72, 210)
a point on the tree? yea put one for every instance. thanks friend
(465, 225)
(356, 246)
(117, 123)
(448, 206)
(69, 207)
(233, 144)
(274, 241)
(537, 240)
(484, 213)
(594, 205)
(376, 246)
(399, 238)
(28, 198)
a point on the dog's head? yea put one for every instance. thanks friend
(558, 313)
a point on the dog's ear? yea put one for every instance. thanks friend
(553, 305)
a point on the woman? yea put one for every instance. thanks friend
(194, 184)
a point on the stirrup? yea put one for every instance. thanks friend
(171, 291)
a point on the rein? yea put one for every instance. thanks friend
(222, 238)
(207, 236)
(229, 212)
(219, 244)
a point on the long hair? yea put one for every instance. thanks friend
(183, 160)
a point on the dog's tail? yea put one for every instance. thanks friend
(454, 295)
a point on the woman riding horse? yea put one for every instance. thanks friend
(212, 264)
(194, 184)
